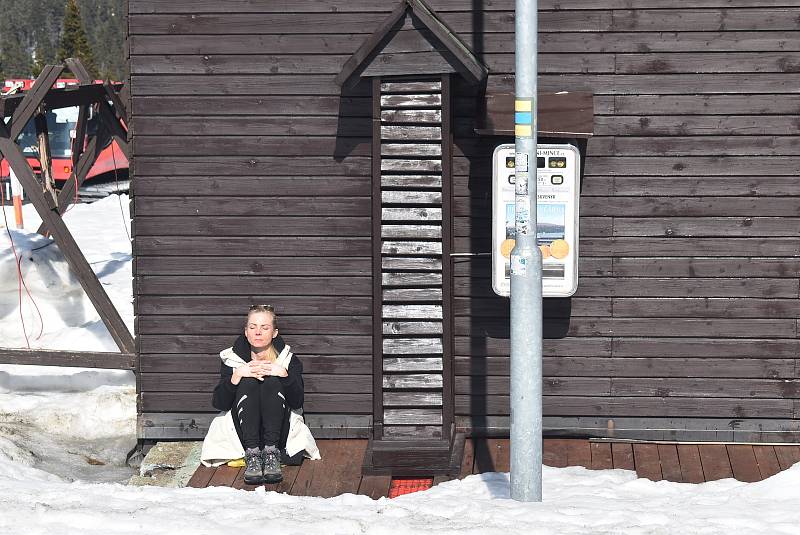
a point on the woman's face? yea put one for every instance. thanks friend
(259, 330)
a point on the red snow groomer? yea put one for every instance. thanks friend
(61, 133)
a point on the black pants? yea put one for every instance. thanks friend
(260, 414)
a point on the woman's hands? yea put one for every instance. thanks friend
(258, 369)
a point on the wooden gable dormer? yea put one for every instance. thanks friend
(410, 59)
(411, 41)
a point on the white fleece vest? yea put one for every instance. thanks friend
(222, 444)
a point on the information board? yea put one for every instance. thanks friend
(558, 192)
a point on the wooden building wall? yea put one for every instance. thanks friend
(252, 183)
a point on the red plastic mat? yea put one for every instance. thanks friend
(407, 486)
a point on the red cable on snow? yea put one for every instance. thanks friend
(21, 280)
(19, 271)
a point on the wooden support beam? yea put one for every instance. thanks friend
(33, 99)
(125, 97)
(80, 133)
(66, 97)
(79, 172)
(119, 107)
(107, 115)
(66, 243)
(45, 161)
(82, 163)
(82, 359)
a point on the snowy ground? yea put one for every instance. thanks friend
(73, 422)
(68, 319)
(576, 501)
(64, 434)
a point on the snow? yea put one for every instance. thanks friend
(74, 423)
(69, 320)
(57, 425)
(576, 501)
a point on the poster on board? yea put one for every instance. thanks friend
(558, 194)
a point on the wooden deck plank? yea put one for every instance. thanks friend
(787, 455)
(647, 462)
(554, 452)
(238, 482)
(768, 464)
(289, 474)
(601, 456)
(338, 472)
(224, 476)
(670, 463)
(500, 449)
(691, 467)
(201, 477)
(375, 486)
(743, 462)
(308, 471)
(350, 472)
(622, 454)
(486, 456)
(468, 461)
(492, 455)
(716, 464)
(578, 453)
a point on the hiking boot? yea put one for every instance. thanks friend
(253, 474)
(271, 457)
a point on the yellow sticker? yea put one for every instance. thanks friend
(523, 105)
(522, 130)
(559, 249)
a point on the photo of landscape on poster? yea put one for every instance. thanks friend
(551, 225)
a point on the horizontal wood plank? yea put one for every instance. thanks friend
(416, 381)
(632, 406)
(229, 285)
(412, 346)
(253, 265)
(188, 344)
(243, 226)
(162, 324)
(234, 246)
(412, 364)
(251, 207)
(412, 327)
(347, 404)
(412, 416)
(235, 305)
(645, 366)
(412, 399)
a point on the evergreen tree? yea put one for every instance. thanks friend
(74, 43)
(15, 61)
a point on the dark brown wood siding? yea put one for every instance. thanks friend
(252, 183)
(685, 318)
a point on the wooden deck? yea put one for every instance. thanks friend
(339, 471)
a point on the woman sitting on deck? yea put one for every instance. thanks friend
(261, 384)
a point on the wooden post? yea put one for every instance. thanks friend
(107, 115)
(66, 243)
(79, 171)
(33, 98)
(45, 162)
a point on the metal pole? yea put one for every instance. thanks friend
(526, 275)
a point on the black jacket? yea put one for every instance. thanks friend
(291, 385)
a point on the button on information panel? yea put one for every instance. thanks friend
(558, 192)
